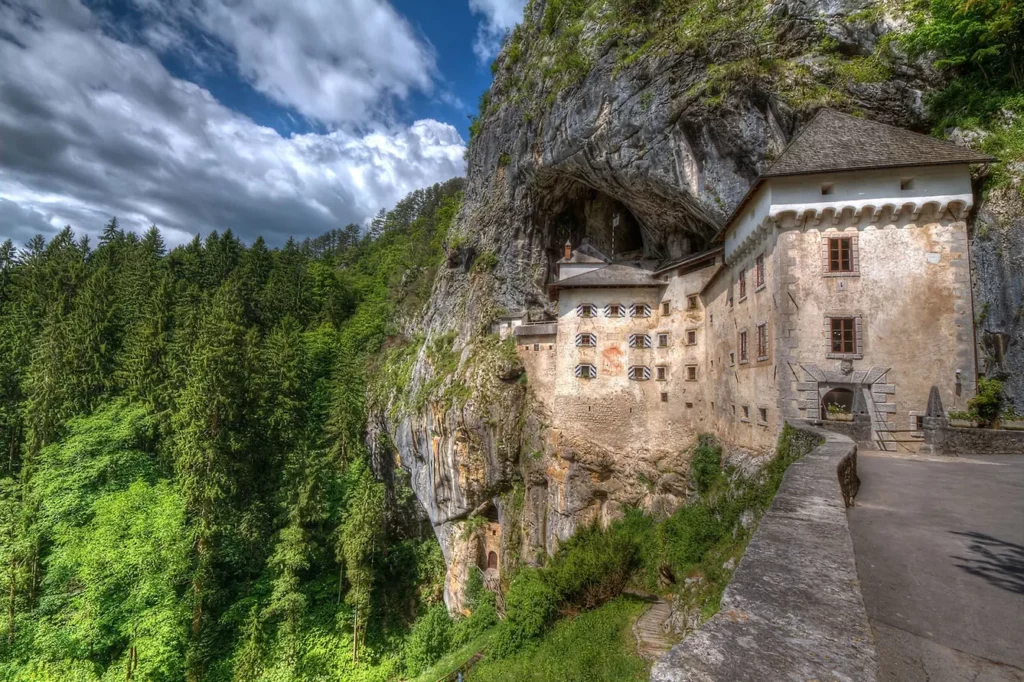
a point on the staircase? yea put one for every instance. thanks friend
(651, 631)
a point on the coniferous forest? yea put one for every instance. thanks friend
(184, 484)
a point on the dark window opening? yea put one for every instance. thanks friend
(840, 254)
(492, 560)
(759, 272)
(844, 335)
(743, 283)
(743, 346)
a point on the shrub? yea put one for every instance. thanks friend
(988, 402)
(429, 640)
(688, 534)
(706, 465)
(529, 608)
(483, 618)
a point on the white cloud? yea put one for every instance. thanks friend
(94, 127)
(499, 16)
(336, 61)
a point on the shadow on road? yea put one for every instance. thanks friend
(999, 562)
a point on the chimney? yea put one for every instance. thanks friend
(568, 249)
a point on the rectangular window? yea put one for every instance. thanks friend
(614, 310)
(664, 397)
(734, 409)
(587, 340)
(639, 373)
(732, 358)
(586, 310)
(586, 371)
(827, 188)
(691, 372)
(536, 346)
(663, 340)
(907, 184)
(689, 406)
(743, 283)
(762, 341)
(746, 412)
(691, 337)
(639, 310)
(666, 307)
(919, 422)
(743, 347)
(662, 373)
(840, 254)
(691, 302)
(762, 414)
(639, 341)
(759, 272)
(844, 335)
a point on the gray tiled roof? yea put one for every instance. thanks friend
(614, 275)
(833, 141)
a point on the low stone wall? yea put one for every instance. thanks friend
(859, 430)
(793, 610)
(947, 440)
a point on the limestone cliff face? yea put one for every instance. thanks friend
(642, 135)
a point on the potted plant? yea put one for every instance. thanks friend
(1012, 419)
(837, 413)
(962, 419)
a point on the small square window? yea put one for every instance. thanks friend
(689, 406)
(662, 373)
(762, 413)
(666, 307)
(662, 340)
(586, 310)
(691, 302)
(691, 373)
(614, 310)
(586, 371)
(691, 337)
(828, 188)
(664, 397)
(906, 183)
(536, 346)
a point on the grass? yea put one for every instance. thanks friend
(454, 659)
(595, 646)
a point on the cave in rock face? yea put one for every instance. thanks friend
(572, 211)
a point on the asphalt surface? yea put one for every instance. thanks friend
(939, 544)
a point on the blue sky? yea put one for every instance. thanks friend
(262, 116)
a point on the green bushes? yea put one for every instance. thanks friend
(988, 402)
(706, 464)
(429, 639)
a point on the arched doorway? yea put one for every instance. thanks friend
(492, 560)
(843, 397)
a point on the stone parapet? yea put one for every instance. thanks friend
(793, 610)
(941, 439)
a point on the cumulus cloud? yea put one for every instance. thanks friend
(336, 61)
(92, 126)
(498, 17)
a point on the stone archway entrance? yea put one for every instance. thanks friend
(840, 396)
(869, 392)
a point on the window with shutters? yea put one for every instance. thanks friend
(586, 340)
(661, 373)
(586, 371)
(844, 336)
(762, 341)
(614, 310)
(586, 310)
(759, 273)
(663, 340)
(743, 347)
(639, 310)
(639, 341)
(639, 373)
(743, 283)
(691, 337)
(691, 372)
(840, 256)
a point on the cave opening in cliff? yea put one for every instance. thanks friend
(575, 212)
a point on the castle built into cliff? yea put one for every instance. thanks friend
(842, 278)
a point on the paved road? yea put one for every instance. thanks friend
(940, 554)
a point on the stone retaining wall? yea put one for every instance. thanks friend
(946, 440)
(793, 610)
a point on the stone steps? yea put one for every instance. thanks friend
(651, 632)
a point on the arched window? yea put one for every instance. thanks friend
(492, 560)
(843, 397)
